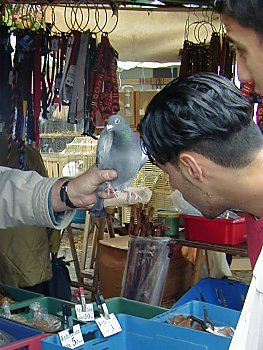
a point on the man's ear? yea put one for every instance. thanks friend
(190, 166)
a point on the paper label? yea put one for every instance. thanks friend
(72, 339)
(108, 326)
(87, 315)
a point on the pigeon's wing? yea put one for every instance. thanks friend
(103, 148)
(144, 159)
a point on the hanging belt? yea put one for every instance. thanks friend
(230, 59)
(70, 77)
(6, 68)
(214, 53)
(44, 93)
(89, 123)
(185, 59)
(76, 111)
(66, 66)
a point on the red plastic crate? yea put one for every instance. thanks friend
(33, 343)
(217, 231)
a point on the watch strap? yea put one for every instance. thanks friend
(64, 195)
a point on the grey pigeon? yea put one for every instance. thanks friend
(118, 148)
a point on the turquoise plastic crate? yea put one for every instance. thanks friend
(20, 296)
(53, 306)
(142, 334)
(222, 292)
(20, 332)
(219, 315)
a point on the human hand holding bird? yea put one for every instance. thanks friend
(118, 148)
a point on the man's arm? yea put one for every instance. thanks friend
(29, 199)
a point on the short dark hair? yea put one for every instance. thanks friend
(204, 113)
(248, 13)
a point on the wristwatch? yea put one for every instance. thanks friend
(64, 195)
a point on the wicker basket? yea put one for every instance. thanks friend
(78, 156)
(160, 193)
(157, 181)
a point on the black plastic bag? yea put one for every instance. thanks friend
(59, 285)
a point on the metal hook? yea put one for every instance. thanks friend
(186, 27)
(97, 17)
(65, 18)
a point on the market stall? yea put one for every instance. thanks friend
(64, 66)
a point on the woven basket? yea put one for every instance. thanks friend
(160, 193)
(157, 181)
(78, 156)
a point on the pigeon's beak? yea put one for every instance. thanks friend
(109, 127)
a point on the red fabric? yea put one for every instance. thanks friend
(260, 115)
(254, 237)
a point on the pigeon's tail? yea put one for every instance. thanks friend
(98, 209)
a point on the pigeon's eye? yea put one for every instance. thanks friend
(117, 121)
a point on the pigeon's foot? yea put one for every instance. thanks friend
(110, 190)
(131, 193)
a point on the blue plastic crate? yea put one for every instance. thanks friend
(222, 292)
(219, 315)
(79, 217)
(142, 334)
(18, 331)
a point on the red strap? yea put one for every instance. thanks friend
(63, 48)
(259, 115)
(247, 88)
(37, 88)
(75, 49)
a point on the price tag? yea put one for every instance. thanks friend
(73, 339)
(87, 315)
(108, 326)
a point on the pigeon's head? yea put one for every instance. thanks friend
(116, 123)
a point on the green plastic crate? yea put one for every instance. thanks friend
(20, 296)
(134, 308)
(118, 305)
(53, 306)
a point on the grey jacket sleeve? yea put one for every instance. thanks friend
(24, 200)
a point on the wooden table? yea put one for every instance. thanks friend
(202, 248)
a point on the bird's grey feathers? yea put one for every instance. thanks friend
(118, 148)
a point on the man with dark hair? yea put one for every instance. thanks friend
(199, 130)
(243, 20)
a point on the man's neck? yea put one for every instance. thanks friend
(245, 188)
